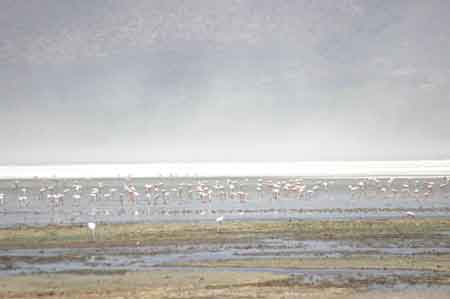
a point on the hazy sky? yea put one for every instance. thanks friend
(146, 81)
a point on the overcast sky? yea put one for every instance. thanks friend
(146, 81)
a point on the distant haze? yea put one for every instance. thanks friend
(192, 81)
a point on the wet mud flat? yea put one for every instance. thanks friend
(406, 258)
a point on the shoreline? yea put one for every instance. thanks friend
(109, 235)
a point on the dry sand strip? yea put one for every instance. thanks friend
(195, 284)
(160, 284)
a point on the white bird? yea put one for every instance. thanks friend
(22, 200)
(92, 226)
(77, 187)
(219, 221)
(410, 214)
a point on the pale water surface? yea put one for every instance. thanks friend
(335, 168)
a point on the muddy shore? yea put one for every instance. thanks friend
(406, 258)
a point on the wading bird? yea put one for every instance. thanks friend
(2, 199)
(410, 214)
(92, 226)
(219, 221)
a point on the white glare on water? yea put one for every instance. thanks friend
(339, 169)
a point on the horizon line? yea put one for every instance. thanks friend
(220, 162)
(230, 169)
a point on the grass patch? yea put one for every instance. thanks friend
(159, 234)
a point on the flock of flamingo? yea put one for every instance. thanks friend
(60, 193)
(230, 189)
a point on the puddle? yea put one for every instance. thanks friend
(24, 261)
